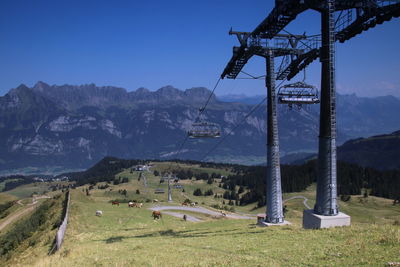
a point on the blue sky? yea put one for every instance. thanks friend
(183, 43)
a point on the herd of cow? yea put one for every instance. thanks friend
(156, 214)
(130, 204)
(193, 204)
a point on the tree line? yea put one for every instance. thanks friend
(351, 179)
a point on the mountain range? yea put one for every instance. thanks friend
(75, 126)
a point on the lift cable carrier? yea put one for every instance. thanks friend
(298, 93)
(203, 129)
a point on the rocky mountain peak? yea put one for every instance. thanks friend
(142, 90)
(41, 86)
(21, 87)
(168, 90)
(199, 94)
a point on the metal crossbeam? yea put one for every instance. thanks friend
(363, 23)
(369, 13)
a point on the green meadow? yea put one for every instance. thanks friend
(126, 236)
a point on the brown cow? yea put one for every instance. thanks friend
(156, 214)
(185, 204)
(115, 203)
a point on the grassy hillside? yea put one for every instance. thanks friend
(38, 188)
(32, 235)
(130, 237)
(380, 152)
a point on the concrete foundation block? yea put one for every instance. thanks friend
(315, 221)
(265, 224)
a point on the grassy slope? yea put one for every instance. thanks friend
(4, 197)
(129, 237)
(39, 244)
(25, 191)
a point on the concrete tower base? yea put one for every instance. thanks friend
(315, 221)
(261, 221)
(265, 224)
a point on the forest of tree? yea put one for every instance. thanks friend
(104, 170)
(15, 181)
(351, 180)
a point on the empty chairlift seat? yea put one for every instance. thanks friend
(298, 93)
(203, 129)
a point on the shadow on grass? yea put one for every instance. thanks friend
(114, 239)
(180, 234)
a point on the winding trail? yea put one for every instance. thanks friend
(20, 213)
(15, 216)
(199, 210)
(299, 197)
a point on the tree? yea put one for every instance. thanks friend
(156, 173)
(209, 192)
(197, 192)
(227, 195)
(241, 190)
(345, 198)
(137, 192)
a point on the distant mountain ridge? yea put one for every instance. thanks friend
(380, 152)
(90, 95)
(75, 126)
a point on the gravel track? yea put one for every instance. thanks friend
(299, 197)
(199, 210)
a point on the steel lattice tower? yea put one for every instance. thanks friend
(273, 181)
(327, 180)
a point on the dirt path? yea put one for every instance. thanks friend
(15, 216)
(34, 200)
(201, 210)
(299, 197)
(20, 213)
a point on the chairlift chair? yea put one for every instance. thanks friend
(203, 129)
(298, 93)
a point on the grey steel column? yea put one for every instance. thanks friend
(169, 189)
(326, 203)
(273, 182)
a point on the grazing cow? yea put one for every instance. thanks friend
(184, 204)
(223, 214)
(139, 205)
(115, 203)
(99, 213)
(156, 214)
(155, 200)
(131, 204)
(192, 204)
